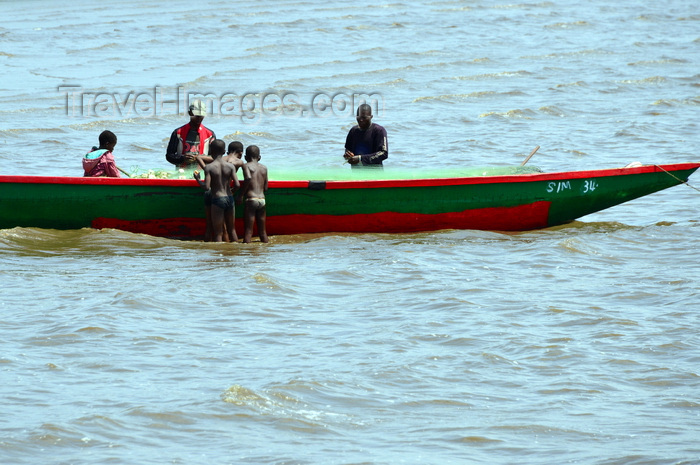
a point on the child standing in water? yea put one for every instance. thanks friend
(217, 186)
(233, 156)
(253, 192)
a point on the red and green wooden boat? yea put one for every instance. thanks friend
(352, 201)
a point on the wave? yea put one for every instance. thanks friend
(100, 123)
(264, 135)
(649, 80)
(99, 47)
(22, 131)
(197, 81)
(481, 94)
(511, 114)
(387, 83)
(267, 47)
(281, 402)
(568, 25)
(488, 76)
(572, 84)
(369, 51)
(552, 110)
(665, 61)
(586, 52)
(502, 6)
(140, 148)
(451, 10)
(678, 102)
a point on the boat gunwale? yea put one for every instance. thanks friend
(364, 183)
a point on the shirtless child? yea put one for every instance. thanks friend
(217, 186)
(253, 191)
(233, 156)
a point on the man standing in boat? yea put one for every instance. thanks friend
(366, 144)
(190, 140)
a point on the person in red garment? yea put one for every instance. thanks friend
(190, 140)
(99, 161)
(366, 144)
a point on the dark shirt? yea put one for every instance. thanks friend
(371, 144)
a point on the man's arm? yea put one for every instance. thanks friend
(381, 147)
(348, 155)
(171, 153)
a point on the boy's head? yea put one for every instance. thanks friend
(107, 140)
(235, 148)
(217, 148)
(252, 152)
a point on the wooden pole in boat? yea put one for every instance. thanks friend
(530, 156)
(127, 174)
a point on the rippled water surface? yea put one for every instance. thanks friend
(575, 344)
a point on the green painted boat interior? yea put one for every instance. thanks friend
(387, 173)
(345, 173)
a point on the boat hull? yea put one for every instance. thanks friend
(174, 207)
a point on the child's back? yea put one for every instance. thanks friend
(255, 175)
(221, 174)
(100, 160)
(218, 194)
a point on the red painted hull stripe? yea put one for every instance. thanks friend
(520, 218)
